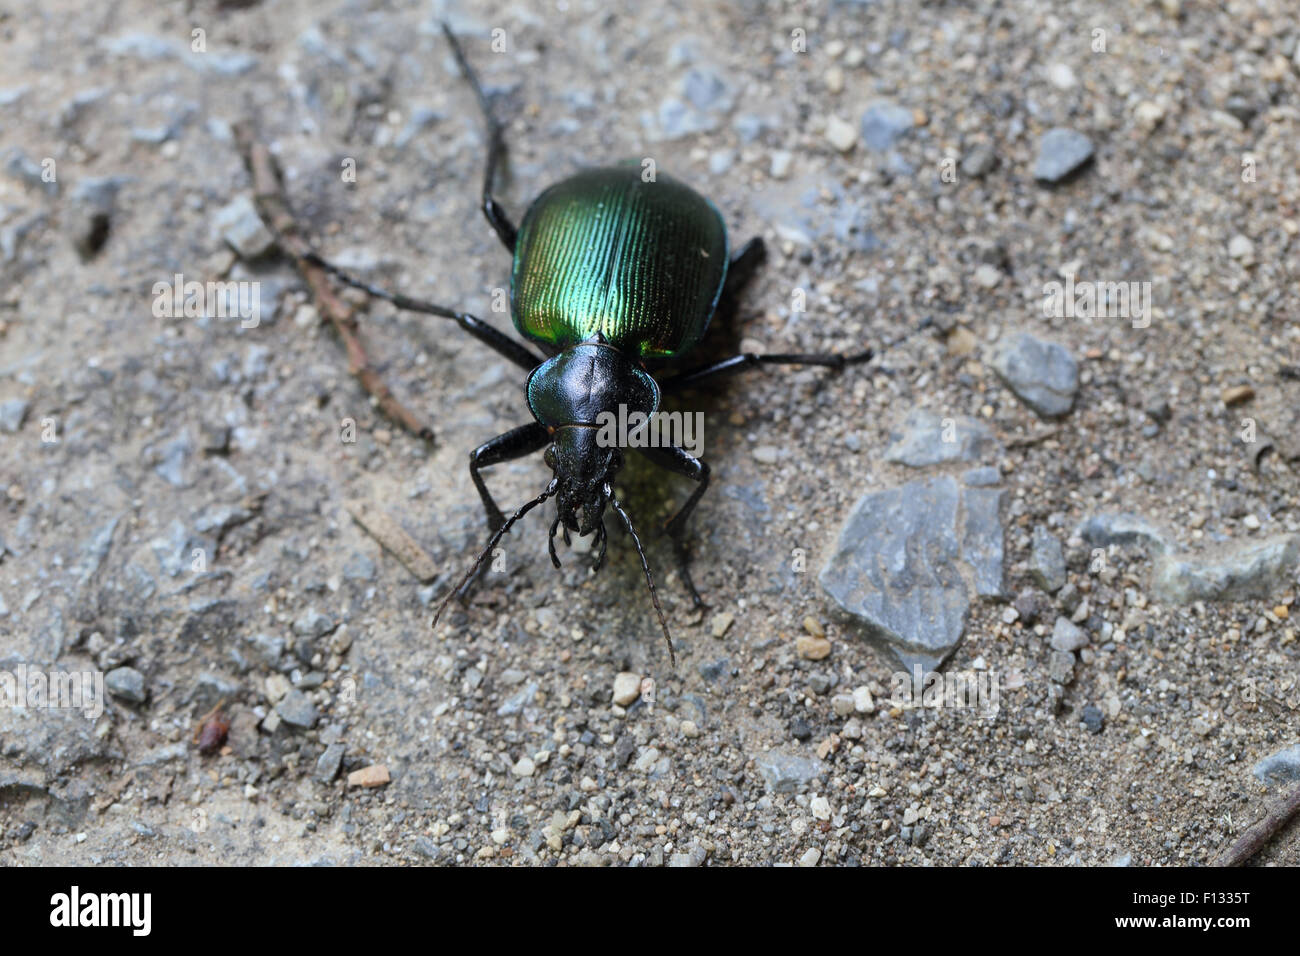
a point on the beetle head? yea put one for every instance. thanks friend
(583, 469)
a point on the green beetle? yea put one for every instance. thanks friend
(613, 272)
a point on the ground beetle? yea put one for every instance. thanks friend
(612, 275)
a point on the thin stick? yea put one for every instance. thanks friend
(1258, 834)
(268, 194)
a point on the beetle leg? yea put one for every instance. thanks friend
(749, 360)
(681, 462)
(476, 327)
(743, 266)
(496, 216)
(515, 443)
(603, 539)
(550, 543)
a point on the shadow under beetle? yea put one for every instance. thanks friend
(611, 273)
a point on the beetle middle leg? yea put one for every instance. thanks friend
(487, 334)
(680, 462)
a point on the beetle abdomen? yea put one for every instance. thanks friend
(605, 252)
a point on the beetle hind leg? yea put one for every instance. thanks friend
(496, 216)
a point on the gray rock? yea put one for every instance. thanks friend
(268, 648)
(695, 856)
(297, 710)
(142, 46)
(1061, 152)
(13, 413)
(328, 764)
(1254, 570)
(163, 755)
(239, 225)
(359, 567)
(787, 772)
(1047, 563)
(677, 119)
(1060, 667)
(1280, 767)
(705, 89)
(312, 623)
(1093, 719)
(175, 456)
(896, 575)
(1068, 636)
(978, 160)
(926, 438)
(1042, 374)
(518, 701)
(982, 539)
(981, 477)
(127, 683)
(1103, 530)
(883, 122)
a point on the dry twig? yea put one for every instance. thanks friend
(268, 194)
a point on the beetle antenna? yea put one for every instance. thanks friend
(492, 543)
(645, 566)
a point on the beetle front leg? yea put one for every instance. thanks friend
(680, 462)
(515, 443)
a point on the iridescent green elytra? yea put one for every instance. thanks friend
(604, 251)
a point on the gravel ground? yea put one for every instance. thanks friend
(1095, 520)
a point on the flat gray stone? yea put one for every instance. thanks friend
(1068, 636)
(1061, 152)
(1281, 767)
(907, 561)
(981, 543)
(1250, 571)
(1060, 667)
(981, 477)
(1047, 562)
(926, 438)
(297, 710)
(327, 765)
(1043, 375)
(1103, 530)
(786, 772)
(127, 683)
(883, 123)
(239, 225)
(12, 414)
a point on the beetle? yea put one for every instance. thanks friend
(612, 276)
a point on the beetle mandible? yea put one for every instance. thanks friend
(611, 273)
